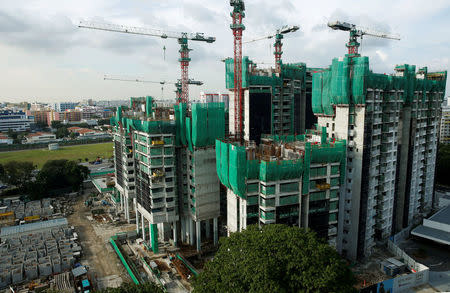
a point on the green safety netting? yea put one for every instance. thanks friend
(252, 169)
(237, 169)
(307, 164)
(207, 124)
(280, 170)
(327, 153)
(188, 134)
(338, 75)
(340, 81)
(229, 72)
(323, 136)
(148, 105)
(359, 80)
(234, 169)
(316, 101)
(199, 125)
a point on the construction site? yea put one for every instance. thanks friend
(324, 148)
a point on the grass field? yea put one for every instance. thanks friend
(40, 156)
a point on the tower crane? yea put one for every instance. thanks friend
(177, 84)
(278, 44)
(182, 38)
(355, 32)
(237, 27)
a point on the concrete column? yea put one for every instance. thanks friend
(191, 232)
(127, 210)
(121, 201)
(216, 231)
(175, 236)
(208, 229)
(137, 220)
(150, 234)
(199, 235)
(183, 229)
(143, 227)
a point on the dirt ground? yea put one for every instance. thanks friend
(98, 255)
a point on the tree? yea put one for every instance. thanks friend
(17, 173)
(443, 164)
(132, 288)
(62, 132)
(12, 134)
(275, 258)
(56, 124)
(73, 135)
(58, 174)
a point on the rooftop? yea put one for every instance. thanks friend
(11, 230)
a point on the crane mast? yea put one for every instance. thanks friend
(278, 45)
(358, 32)
(182, 39)
(237, 27)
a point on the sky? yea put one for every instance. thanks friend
(47, 58)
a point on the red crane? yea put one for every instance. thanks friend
(237, 27)
(181, 37)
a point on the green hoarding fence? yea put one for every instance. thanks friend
(154, 237)
(133, 277)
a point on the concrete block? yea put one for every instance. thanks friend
(45, 269)
(31, 272)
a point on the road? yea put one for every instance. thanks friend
(97, 252)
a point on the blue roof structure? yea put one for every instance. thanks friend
(26, 228)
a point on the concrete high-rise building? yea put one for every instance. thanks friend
(15, 120)
(391, 127)
(169, 156)
(63, 106)
(292, 180)
(274, 103)
(444, 135)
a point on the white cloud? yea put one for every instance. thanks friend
(49, 58)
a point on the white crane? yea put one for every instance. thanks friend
(355, 32)
(162, 83)
(278, 44)
(182, 38)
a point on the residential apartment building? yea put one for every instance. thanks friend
(163, 162)
(292, 180)
(391, 127)
(66, 117)
(64, 106)
(15, 120)
(274, 102)
(444, 134)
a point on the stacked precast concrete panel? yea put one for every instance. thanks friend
(378, 115)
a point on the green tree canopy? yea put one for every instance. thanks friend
(275, 258)
(443, 164)
(58, 174)
(133, 288)
(17, 173)
(62, 132)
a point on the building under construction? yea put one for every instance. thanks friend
(277, 103)
(292, 180)
(172, 155)
(391, 124)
